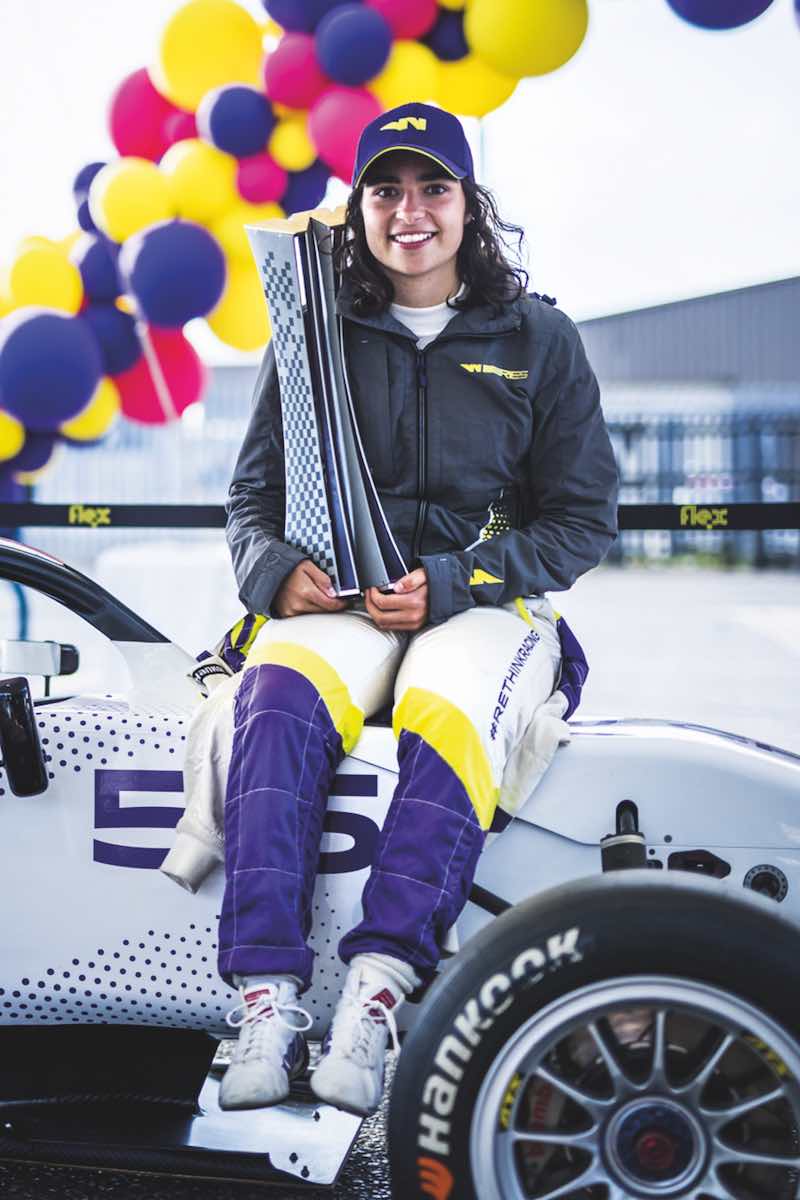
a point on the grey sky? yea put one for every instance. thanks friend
(662, 162)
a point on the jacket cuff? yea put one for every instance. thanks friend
(189, 861)
(448, 591)
(267, 575)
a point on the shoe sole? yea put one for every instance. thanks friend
(298, 1071)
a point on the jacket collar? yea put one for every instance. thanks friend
(478, 321)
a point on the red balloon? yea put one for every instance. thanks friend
(179, 126)
(335, 124)
(137, 117)
(292, 74)
(407, 18)
(260, 180)
(177, 371)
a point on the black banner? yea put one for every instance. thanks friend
(699, 517)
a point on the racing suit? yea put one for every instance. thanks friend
(494, 467)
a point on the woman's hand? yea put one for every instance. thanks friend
(405, 609)
(306, 589)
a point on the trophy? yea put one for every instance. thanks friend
(333, 513)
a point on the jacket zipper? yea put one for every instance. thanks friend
(422, 459)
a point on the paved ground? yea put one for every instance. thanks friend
(716, 648)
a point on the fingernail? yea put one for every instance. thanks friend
(329, 591)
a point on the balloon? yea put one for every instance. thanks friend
(305, 189)
(85, 218)
(11, 492)
(241, 319)
(471, 88)
(83, 180)
(719, 14)
(335, 124)
(236, 119)
(446, 39)
(292, 74)
(137, 117)
(96, 259)
(412, 73)
(175, 270)
(12, 436)
(260, 180)
(115, 332)
(353, 43)
(407, 18)
(300, 16)
(179, 126)
(42, 274)
(96, 419)
(127, 195)
(35, 454)
(201, 179)
(229, 229)
(164, 381)
(290, 144)
(205, 44)
(49, 366)
(525, 37)
(453, 5)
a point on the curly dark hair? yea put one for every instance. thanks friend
(482, 263)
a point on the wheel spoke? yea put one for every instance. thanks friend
(717, 1118)
(592, 1104)
(658, 1065)
(741, 1156)
(620, 1082)
(697, 1083)
(586, 1139)
(590, 1176)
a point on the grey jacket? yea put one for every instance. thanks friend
(488, 449)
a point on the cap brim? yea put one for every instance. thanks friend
(449, 167)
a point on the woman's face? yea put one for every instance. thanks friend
(414, 216)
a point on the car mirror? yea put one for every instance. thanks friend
(37, 658)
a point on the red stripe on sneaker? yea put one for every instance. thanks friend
(385, 998)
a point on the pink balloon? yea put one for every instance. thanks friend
(407, 18)
(292, 74)
(260, 180)
(137, 116)
(179, 126)
(184, 378)
(335, 124)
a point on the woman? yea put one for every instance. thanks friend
(481, 421)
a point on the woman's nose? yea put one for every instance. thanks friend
(409, 206)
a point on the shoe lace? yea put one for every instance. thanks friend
(256, 1018)
(367, 1027)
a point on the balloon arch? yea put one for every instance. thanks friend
(235, 120)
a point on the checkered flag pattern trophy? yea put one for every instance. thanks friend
(333, 512)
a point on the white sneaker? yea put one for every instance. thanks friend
(350, 1072)
(271, 1050)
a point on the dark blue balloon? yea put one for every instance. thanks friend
(446, 39)
(83, 180)
(50, 365)
(85, 218)
(719, 14)
(353, 43)
(34, 454)
(96, 259)
(300, 16)
(115, 332)
(175, 270)
(305, 189)
(237, 119)
(11, 492)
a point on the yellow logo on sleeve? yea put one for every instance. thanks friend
(402, 124)
(480, 576)
(491, 369)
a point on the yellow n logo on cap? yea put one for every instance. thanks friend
(402, 124)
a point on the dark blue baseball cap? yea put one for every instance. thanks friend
(432, 132)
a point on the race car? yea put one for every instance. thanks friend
(612, 1025)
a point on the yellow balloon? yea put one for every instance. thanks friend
(472, 89)
(411, 73)
(241, 319)
(525, 37)
(128, 194)
(66, 243)
(201, 178)
(96, 419)
(454, 5)
(42, 274)
(229, 228)
(204, 45)
(290, 145)
(12, 436)
(6, 303)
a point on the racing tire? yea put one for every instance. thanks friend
(625, 1035)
